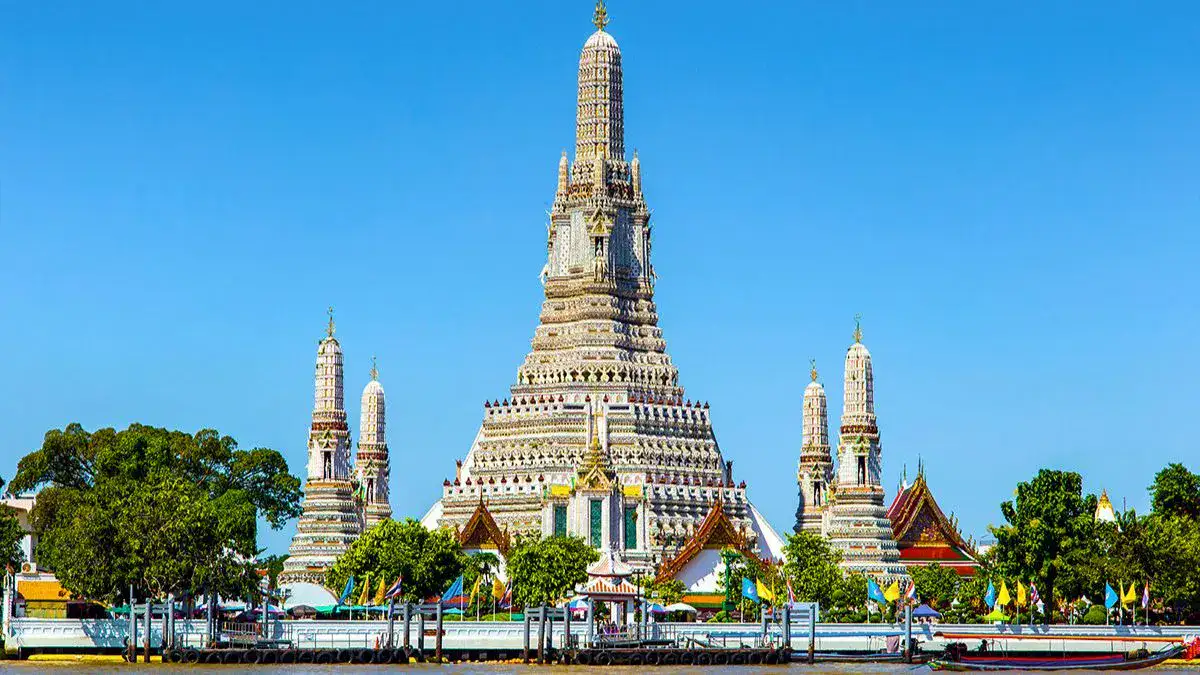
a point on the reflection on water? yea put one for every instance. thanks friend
(457, 669)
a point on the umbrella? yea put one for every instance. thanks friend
(681, 607)
(577, 604)
(996, 615)
(455, 610)
(655, 608)
(926, 612)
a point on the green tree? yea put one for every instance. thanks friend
(812, 567)
(1049, 533)
(428, 561)
(164, 511)
(273, 565)
(936, 585)
(11, 534)
(1176, 492)
(547, 570)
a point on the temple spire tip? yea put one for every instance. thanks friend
(600, 18)
(858, 328)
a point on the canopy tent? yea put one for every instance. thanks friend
(996, 615)
(304, 593)
(926, 612)
(577, 604)
(655, 608)
(681, 607)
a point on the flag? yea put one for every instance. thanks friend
(393, 591)
(892, 593)
(990, 596)
(1003, 599)
(791, 595)
(498, 589)
(764, 593)
(1034, 597)
(874, 592)
(1130, 595)
(910, 593)
(365, 597)
(749, 590)
(506, 601)
(1022, 598)
(1110, 596)
(346, 591)
(475, 588)
(1145, 596)
(381, 594)
(454, 594)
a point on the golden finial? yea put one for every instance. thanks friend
(600, 18)
(374, 369)
(331, 329)
(813, 372)
(858, 327)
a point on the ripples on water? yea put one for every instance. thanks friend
(457, 669)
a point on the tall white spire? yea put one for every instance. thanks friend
(600, 111)
(329, 522)
(372, 460)
(814, 474)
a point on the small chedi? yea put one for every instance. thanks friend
(340, 502)
(596, 438)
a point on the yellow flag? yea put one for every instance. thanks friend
(475, 588)
(1130, 595)
(1022, 597)
(497, 589)
(379, 599)
(1004, 598)
(892, 593)
(366, 591)
(764, 593)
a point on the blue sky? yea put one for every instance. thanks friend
(1007, 193)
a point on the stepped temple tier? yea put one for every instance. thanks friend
(338, 502)
(596, 437)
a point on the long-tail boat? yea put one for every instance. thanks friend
(961, 660)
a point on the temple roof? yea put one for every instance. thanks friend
(922, 530)
(481, 531)
(716, 531)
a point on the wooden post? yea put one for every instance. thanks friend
(132, 629)
(211, 629)
(549, 635)
(787, 625)
(812, 633)
(908, 650)
(147, 651)
(566, 644)
(591, 622)
(166, 627)
(541, 658)
(407, 624)
(525, 650)
(438, 638)
(391, 638)
(762, 619)
(421, 632)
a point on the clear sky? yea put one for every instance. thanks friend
(1006, 191)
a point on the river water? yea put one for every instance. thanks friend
(28, 667)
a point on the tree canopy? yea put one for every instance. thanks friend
(1176, 492)
(812, 567)
(164, 511)
(548, 569)
(11, 535)
(428, 561)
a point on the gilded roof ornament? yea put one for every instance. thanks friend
(813, 372)
(374, 369)
(600, 18)
(331, 329)
(858, 327)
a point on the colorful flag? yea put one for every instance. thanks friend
(1003, 598)
(454, 594)
(874, 592)
(365, 597)
(764, 593)
(497, 588)
(1145, 596)
(910, 593)
(749, 590)
(892, 593)
(346, 591)
(1022, 598)
(1130, 595)
(506, 601)
(394, 590)
(1033, 594)
(791, 595)
(1110, 596)
(990, 596)
(475, 587)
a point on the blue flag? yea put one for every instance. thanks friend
(874, 592)
(990, 596)
(1110, 597)
(749, 590)
(346, 591)
(454, 594)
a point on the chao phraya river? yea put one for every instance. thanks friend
(426, 669)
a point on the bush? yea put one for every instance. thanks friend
(1095, 616)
